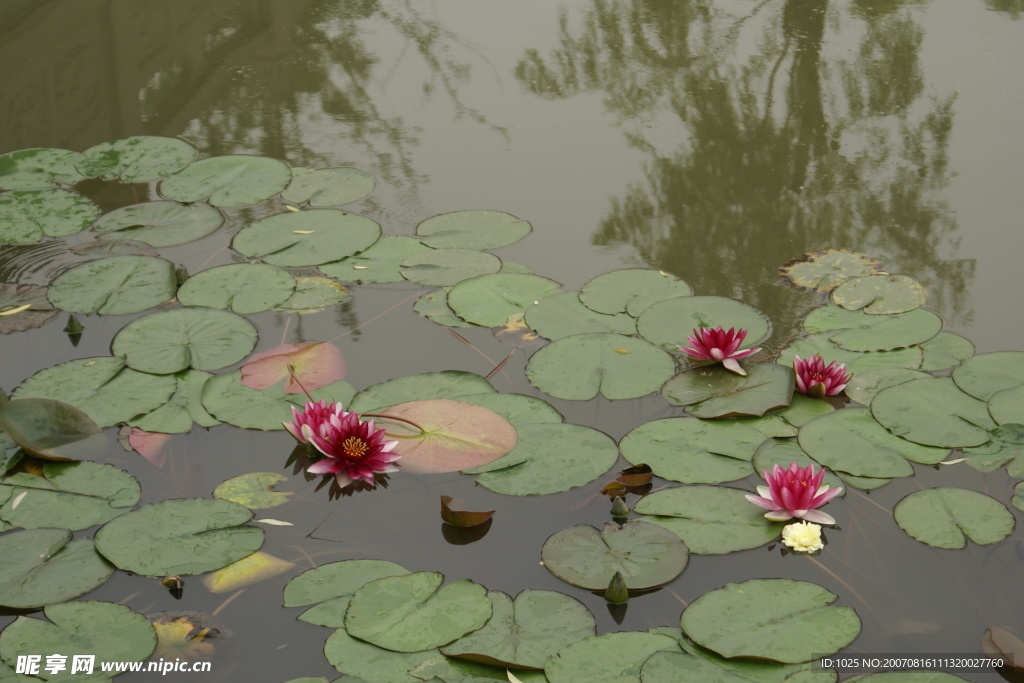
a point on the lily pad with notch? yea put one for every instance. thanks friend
(987, 373)
(329, 587)
(160, 223)
(27, 216)
(447, 267)
(136, 159)
(693, 451)
(713, 391)
(856, 361)
(68, 495)
(46, 567)
(489, 300)
(564, 314)
(115, 285)
(698, 665)
(823, 271)
(881, 294)
(865, 385)
(933, 411)
(241, 287)
(253, 490)
(946, 517)
(631, 291)
(445, 384)
(228, 400)
(228, 181)
(321, 187)
(860, 331)
(472, 230)
(377, 263)
(182, 408)
(669, 322)
(607, 658)
(306, 238)
(1006, 449)
(944, 351)
(39, 168)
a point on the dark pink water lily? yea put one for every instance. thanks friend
(795, 492)
(352, 448)
(816, 379)
(718, 345)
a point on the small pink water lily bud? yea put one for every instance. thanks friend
(816, 379)
(718, 345)
(352, 448)
(795, 492)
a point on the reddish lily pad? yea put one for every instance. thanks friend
(457, 435)
(454, 512)
(305, 365)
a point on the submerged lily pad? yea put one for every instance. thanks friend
(489, 300)
(136, 159)
(46, 428)
(631, 291)
(226, 181)
(45, 567)
(860, 331)
(446, 267)
(179, 537)
(377, 263)
(778, 620)
(242, 287)
(946, 517)
(645, 554)
(306, 238)
(39, 168)
(549, 458)
(253, 490)
(712, 520)
(15, 318)
(693, 451)
(472, 230)
(985, 374)
(180, 338)
(880, 294)
(68, 495)
(115, 285)
(161, 223)
(933, 411)
(523, 633)
(445, 384)
(413, 612)
(608, 658)
(182, 409)
(583, 365)
(563, 314)
(668, 323)
(327, 186)
(712, 391)
(230, 401)
(825, 270)
(28, 216)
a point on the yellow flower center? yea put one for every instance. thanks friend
(354, 447)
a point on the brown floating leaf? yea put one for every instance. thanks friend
(453, 511)
(637, 475)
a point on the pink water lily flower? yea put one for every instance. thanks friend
(816, 379)
(718, 345)
(352, 448)
(795, 492)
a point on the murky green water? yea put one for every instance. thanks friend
(712, 140)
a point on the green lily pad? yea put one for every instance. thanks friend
(28, 216)
(306, 238)
(523, 633)
(113, 633)
(336, 579)
(549, 458)
(563, 314)
(226, 181)
(489, 300)
(377, 263)
(783, 452)
(608, 658)
(472, 230)
(366, 662)
(69, 495)
(242, 287)
(864, 386)
(921, 676)
(880, 294)
(446, 384)
(712, 391)
(852, 441)
(103, 388)
(456, 436)
(778, 620)
(583, 365)
(39, 168)
(860, 331)
(824, 270)
(802, 410)
(631, 291)
(446, 267)
(697, 665)
(182, 409)
(946, 517)
(933, 411)
(434, 306)
(645, 554)
(518, 409)
(1007, 406)
(1018, 496)
(253, 490)
(46, 428)
(1006, 449)
(179, 537)
(668, 323)
(985, 374)
(227, 399)
(14, 296)
(327, 186)
(45, 567)
(693, 451)
(856, 362)
(115, 285)
(944, 351)
(413, 612)
(160, 224)
(313, 294)
(137, 159)
(179, 338)
(712, 520)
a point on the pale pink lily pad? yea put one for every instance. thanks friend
(315, 364)
(457, 436)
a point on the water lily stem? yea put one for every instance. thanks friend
(398, 419)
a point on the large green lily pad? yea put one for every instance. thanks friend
(856, 361)
(137, 159)
(445, 384)
(946, 517)
(668, 323)
(944, 351)
(180, 338)
(39, 168)
(693, 451)
(860, 331)
(698, 665)
(28, 216)
(327, 186)
(472, 230)
(69, 495)
(306, 238)
(182, 409)
(584, 365)
(253, 490)
(227, 399)
(377, 263)
(46, 428)
(434, 306)
(179, 537)
(523, 633)
(226, 181)
(242, 287)
(865, 385)
(608, 658)
(778, 620)
(161, 223)
(335, 580)
(631, 291)
(713, 391)
(366, 662)
(985, 374)
(645, 554)
(45, 567)
(489, 300)
(413, 612)
(519, 409)
(115, 285)
(1006, 449)
(933, 411)
(563, 314)
(825, 270)
(711, 520)
(549, 458)
(447, 267)
(783, 452)
(313, 294)
(880, 294)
